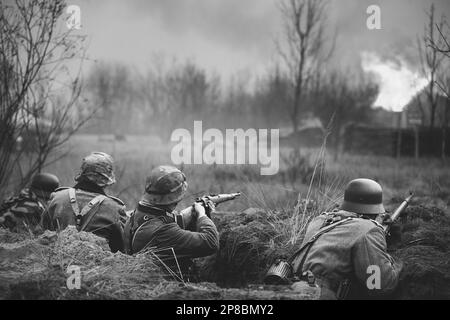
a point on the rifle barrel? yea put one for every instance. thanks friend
(394, 216)
(400, 208)
(224, 197)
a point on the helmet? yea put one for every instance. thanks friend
(46, 182)
(98, 168)
(363, 196)
(164, 186)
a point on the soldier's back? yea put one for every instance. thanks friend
(331, 254)
(105, 220)
(346, 252)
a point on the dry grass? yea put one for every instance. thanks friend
(36, 268)
(284, 203)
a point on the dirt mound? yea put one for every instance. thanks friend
(248, 246)
(425, 251)
(35, 268)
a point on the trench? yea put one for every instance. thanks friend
(248, 250)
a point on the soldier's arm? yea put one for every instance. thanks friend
(117, 242)
(202, 242)
(47, 216)
(115, 230)
(371, 255)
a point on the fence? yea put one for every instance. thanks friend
(388, 141)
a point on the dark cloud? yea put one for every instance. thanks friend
(402, 22)
(229, 32)
(236, 23)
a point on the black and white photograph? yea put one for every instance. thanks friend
(225, 154)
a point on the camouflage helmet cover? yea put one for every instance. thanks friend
(97, 168)
(363, 196)
(164, 186)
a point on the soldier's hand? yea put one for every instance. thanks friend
(189, 216)
(199, 210)
(210, 207)
(394, 235)
(386, 219)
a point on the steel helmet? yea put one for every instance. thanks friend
(363, 196)
(98, 168)
(46, 182)
(164, 186)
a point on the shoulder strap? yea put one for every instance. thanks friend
(93, 204)
(61, 188)
(314, 238)
(116, 200)
(91, 209)
(73, 201)
(377, 223)
(134, 233)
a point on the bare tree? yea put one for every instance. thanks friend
(271, 96)
(177, 94)
(445, 87)
(444, 46)
(302, 47)
(38, 97)
(110, 87)
(341, 102)
(441, 47)
(431, 62)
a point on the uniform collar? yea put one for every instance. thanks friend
(89, 186)
(150, 209)
(347, 214)
(154, 210)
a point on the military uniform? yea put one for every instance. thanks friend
(149, 228)
(23, 212)
(87, 206)
(340, 257)
(106, 219)
(153, 224)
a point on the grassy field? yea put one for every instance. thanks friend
(137, 155)
(269, 220)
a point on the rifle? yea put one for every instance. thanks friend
(184, 218)
(216, 199)
(396, 214)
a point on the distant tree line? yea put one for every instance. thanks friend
(170, 96)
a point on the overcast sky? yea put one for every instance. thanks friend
(231, 35)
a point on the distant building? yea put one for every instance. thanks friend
(416, 112)
(419, 108)
(310, 133)
(382, 118)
